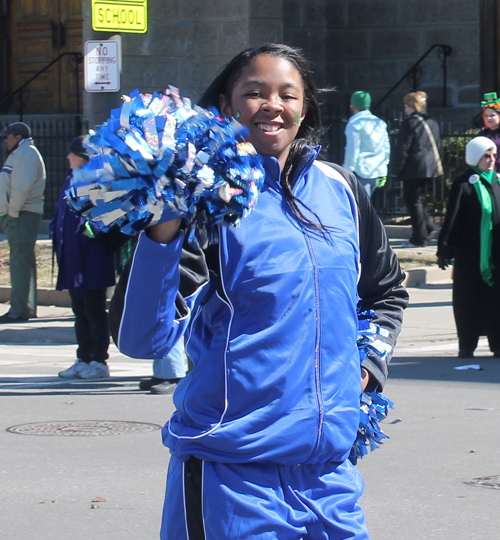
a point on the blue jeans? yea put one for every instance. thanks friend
(173, 366)
(370, 184)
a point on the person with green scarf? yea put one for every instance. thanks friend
(471, 237)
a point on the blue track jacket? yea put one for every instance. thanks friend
(270, 322)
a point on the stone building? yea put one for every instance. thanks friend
(352, 44)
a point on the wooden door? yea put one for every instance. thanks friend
(40, 31)
(4, 48)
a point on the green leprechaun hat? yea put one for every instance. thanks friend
(491, 100)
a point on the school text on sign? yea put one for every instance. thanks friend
(102, 66)
(129, 16)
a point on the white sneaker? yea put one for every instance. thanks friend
(95, 370)
(74, 371)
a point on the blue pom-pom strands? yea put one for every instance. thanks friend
(158, 158)
(374, 406)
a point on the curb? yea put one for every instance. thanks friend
(45, 297)
(428, 275)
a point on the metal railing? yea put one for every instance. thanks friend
(389, 200)
(414, 74)
(78, 57)
(52, 136)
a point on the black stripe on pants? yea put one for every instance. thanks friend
(193, 483)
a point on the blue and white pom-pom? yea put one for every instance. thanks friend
(159, 156)
(374, 406)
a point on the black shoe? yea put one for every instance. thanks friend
(146, 384)
(12, 318)
(466, 353)
(165, 387)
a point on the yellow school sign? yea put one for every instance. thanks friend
(130, 16)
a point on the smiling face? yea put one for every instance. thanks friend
(487, 162)
(268, 98)
(492, 118)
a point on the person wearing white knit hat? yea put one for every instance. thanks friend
(471, 236)
(476, 148)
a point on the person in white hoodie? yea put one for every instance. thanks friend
(367, 149)
(22, 184)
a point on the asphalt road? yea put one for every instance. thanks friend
(444, 432)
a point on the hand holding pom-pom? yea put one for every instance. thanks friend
(157, 158)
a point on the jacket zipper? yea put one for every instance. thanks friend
(317, 340)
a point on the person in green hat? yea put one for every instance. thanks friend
(367, 148)
(491, 119)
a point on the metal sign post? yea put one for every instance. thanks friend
(102, 66)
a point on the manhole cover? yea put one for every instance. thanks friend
(485, 481)
(83, 428)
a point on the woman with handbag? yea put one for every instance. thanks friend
(415, 161)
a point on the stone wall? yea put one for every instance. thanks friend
(370, 44)
(352, 44)
(187, 43)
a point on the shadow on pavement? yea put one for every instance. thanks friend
(51, 386)
(437, 368)
(429, 304)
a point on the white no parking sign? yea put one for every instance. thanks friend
(102, 66)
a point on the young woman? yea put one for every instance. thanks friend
(266, 418)
(471, 236)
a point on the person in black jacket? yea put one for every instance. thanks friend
(415, 161)
(471, 236)
(86, 270)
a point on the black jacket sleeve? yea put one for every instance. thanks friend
(453, 222)
(380, 285)
(401, 149)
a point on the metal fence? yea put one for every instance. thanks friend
(52, 137)
(389, 200)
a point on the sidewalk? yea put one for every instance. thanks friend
(55, 322)
(419, 264)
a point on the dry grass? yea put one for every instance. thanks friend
(43, 251)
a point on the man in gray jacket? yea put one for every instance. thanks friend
(22, 183)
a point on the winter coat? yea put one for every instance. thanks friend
(413, 155)
(367, 148)
(494, 135)
(475, 304)
(84, 263)
(22, 181)
(270, 320)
